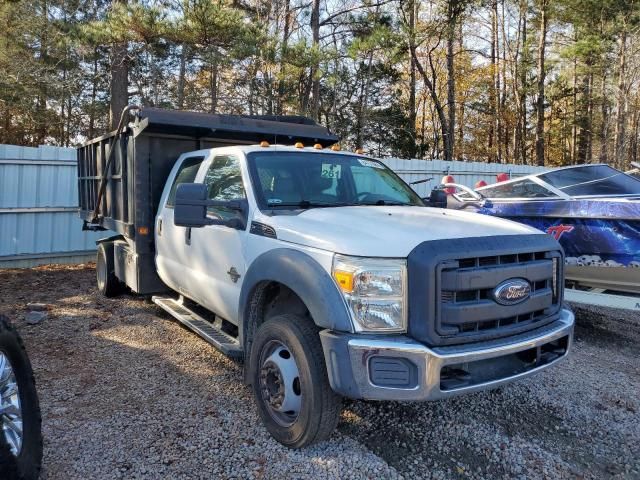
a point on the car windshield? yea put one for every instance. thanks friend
(314, 180)
(518, 189)
(592, 180)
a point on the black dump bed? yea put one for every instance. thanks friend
(147, 149)
(150, 145)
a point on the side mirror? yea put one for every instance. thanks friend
(437, 199)
(190, 209)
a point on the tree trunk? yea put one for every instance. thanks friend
(604, 127)
(460, 146)
(523, 86)
(574, 132)
(436, 103)
(451, 84)
(584, 120)
(496, 83)
(63, 105)
(182, 74)
(492, 93)
(423, 128)
(542, 41)
(619, 155)
(503, 95)
(362, 103)
(283, 53)
(315, 70)
(412, 80)
(41, 121)
(213, 85)
(94, 92)
(119, 84)
(635, 130)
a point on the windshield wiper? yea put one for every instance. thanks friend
(386, 203)
(305, 204)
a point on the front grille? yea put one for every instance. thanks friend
(466, 308)
(451, 284)
(450, 296)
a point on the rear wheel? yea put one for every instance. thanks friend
(108, 283)
(20, 422)
(290, 382)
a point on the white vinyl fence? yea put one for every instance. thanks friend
(39, 222)
(464, 173)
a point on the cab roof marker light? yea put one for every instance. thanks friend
(299, 145)
(359, 151)
(335, 147)
(317, 146)
(264, 143)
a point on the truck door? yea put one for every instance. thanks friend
(171, 241)
(216, 252)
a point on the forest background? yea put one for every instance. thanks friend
(540, 82)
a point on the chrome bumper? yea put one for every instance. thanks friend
(351, 360)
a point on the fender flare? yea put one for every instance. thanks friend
(306, 278)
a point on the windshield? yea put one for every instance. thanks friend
(519, 189)
(592, 180)
(308, 180)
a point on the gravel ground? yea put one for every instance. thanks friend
(128, 393)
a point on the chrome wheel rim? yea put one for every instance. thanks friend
(280, 383)
(101, 269)
(10, 410)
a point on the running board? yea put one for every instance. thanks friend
(219, 339)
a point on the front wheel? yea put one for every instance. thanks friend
(290, 383)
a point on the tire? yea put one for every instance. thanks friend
(8, 463)
(314, 407)
(27, 455)
(108, 283)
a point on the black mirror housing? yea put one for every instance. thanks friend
(190, 209)
(437, 199)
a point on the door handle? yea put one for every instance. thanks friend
(160, 227)
(187, 236)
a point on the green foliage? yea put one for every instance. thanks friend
(238, 57)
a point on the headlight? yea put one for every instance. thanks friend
(375, 292)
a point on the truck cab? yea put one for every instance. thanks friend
(329, 277)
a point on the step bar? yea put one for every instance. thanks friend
(208, 331)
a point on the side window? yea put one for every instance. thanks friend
(224, 182)
(186, 174)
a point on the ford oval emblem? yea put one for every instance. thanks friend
(512, 291)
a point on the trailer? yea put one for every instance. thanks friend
(121, 174)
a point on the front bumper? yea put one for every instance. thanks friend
(399, 368)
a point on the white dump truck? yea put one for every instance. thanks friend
(320, 269)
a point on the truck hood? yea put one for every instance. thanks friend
(385, 231)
